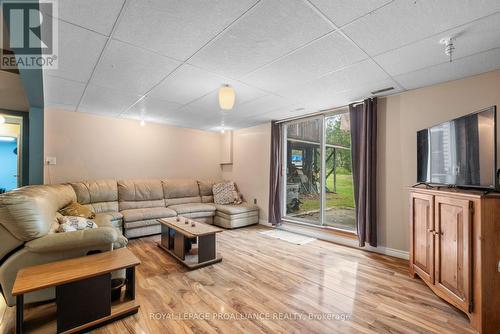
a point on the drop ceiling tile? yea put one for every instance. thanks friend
(459, 68)
(277, 114)
(152, 107)
(322, 91)
(472, 38)
(405, 21)
(131, 69)
(106, 101)
(79, 50)
(322, 56)
(273, 29)
(265, 104)
(345, 11)
(177, 28)
(61, 92)
(187, 84)
(96, 15)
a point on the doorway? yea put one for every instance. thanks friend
(318, 171)
(10, 152)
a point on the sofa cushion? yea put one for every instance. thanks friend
(135, 194)
(232, 209)
(100, 196)
(235, 223)
(141, 223)
(192, 207)
(181, 191)
(133, 215)
(141, 231)
(238, 215)
(115, 215)
(206, 193)
(200, 214)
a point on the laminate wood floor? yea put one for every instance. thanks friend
(265, 285)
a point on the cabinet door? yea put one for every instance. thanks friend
(453, 251)
(422, 237)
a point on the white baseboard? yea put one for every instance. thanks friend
(265, 223)
(352, 243)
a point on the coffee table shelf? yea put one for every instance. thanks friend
(92, 274)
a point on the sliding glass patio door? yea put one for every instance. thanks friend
(303, 170)
(318, 172)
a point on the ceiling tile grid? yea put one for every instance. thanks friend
(62, 93)
(177, 28)
(406, 21)
(164, 61)
(131, 69)
(105, 101)
(322, 56)
(342, 12)
(79, 50)
(471, 38)
(96, 15)
(273, 29)
(471, 65)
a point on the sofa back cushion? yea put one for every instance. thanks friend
(179, 191)
(137, 194)
(206, 193)
(99, 196)
(28, 212)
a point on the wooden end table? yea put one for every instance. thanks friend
(83, 289)
(175, 245)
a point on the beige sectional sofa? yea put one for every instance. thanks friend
(28, 216)
(27, 237)
(136, 205)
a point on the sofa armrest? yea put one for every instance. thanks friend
(57, 242)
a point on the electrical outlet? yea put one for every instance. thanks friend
(255, 201)
(51, 160)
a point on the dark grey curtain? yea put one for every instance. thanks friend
(275, 176)
(363, 118)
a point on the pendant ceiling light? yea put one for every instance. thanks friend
(226, 97)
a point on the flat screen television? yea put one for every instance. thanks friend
(460, 152)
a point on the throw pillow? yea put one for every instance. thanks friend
(77, 210)
(71, 223)
(223, 192)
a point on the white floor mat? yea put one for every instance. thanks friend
(288, 236)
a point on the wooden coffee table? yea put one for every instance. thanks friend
(206, 241)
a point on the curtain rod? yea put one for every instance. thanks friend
(321, 112)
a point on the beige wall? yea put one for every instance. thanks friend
(95, 147)
(250, 168)
(400, 117)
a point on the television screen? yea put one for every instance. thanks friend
(459, 152)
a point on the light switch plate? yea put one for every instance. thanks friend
(51, 160)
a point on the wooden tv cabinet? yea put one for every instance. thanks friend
(455, 250)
